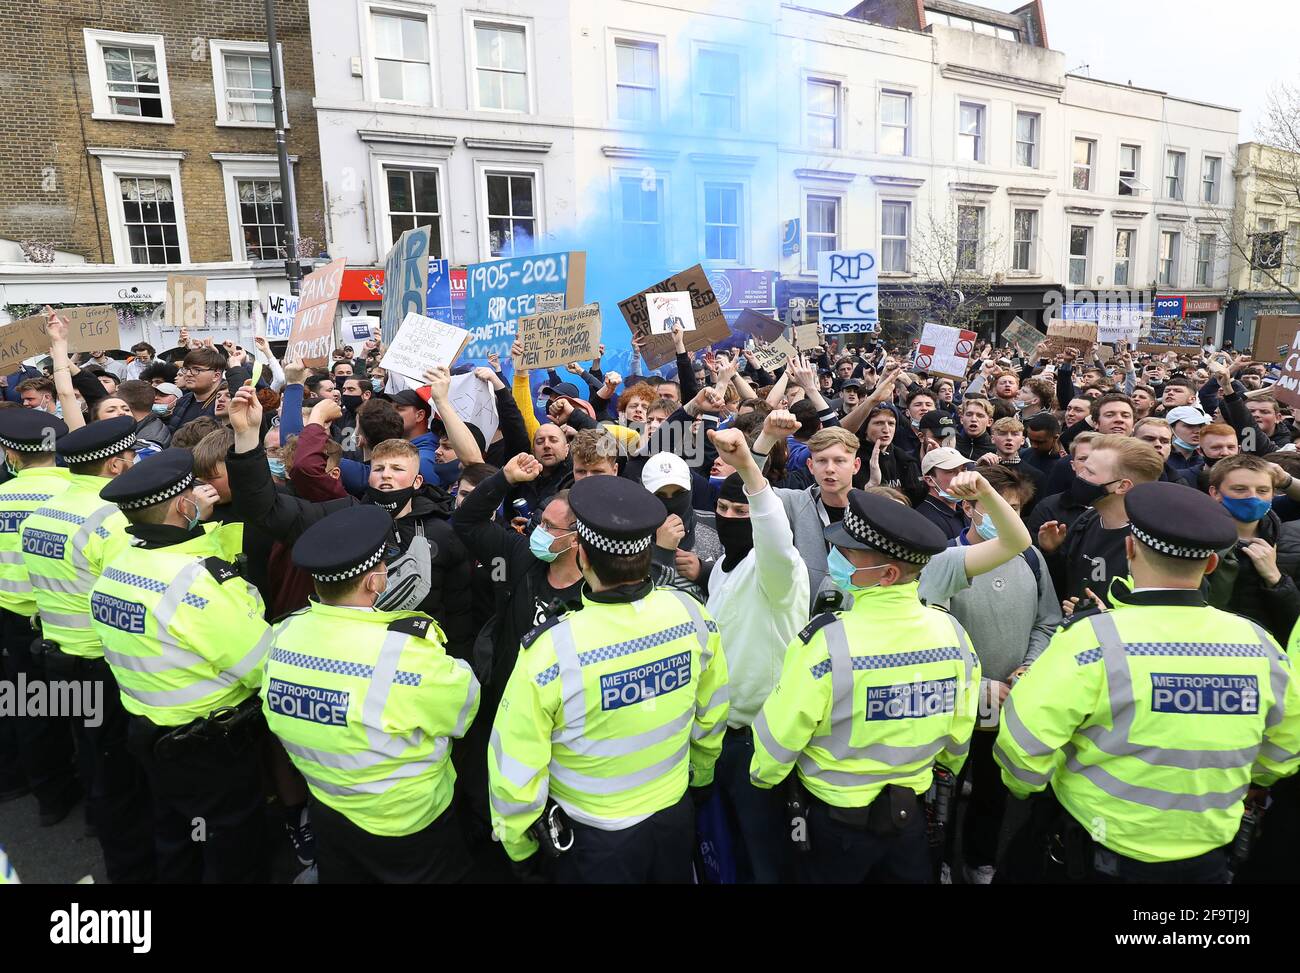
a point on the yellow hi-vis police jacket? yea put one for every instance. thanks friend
(1149, 739)
(66, 544)
(366, 703)
(31, 488)
(612, 711)
(870, 697)
(182, 631)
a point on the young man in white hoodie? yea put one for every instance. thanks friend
(758, 595)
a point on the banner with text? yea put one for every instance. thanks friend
(848, 292)
(558, 337)
(500, 292)
(312, 332)
(406, 280)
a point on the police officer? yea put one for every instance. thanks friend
(1150, 721)
(184, 635)
(39, 746)
(869, 700)
(367, 703)
(66, 544)
(611, 712)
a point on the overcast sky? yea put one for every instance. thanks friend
(1228, 54)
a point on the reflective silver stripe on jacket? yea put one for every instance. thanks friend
(1148, 796)
(588, 784)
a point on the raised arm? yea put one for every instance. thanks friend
(462, 440)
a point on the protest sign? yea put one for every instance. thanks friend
(437, 298)
(759, 325)
(312, 332)
(1023, 337)
(1183, 335)
(710, 323)
(500, 292)
(670, 310)
(420, 344)
(91, 328)
(475, 402)
(945, 351)
(406, 280)
(806, 336)
(848, 299)
(361, 329)
(768, 358)
(279, 311)
(1076, 335)
(556, 338)
(24, 338)
(186, 302)
(1273, 336)
(1287, 387)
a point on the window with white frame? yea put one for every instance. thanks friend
(1205, 260)
(970, 132)
(1124, 257)
(1210, 168)
(501, 66)
(895, 227)
(412, 198)
(1024, 239)
(1085, 158)
(1170, 242)
(261, 218)
(1027, 124)
(1175, 168)
(823, 113)
(128, 76)
(1130, 158)
(149, 218)
(717, 87)
(822, 228)
(402, 61)
(1080, 248)
(637, 87)
(970, 237)
(641, 215)
(241, 75)
(511, 213)
(723, 231)
(895, 123)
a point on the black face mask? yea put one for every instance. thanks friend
(352, 403)
(1087, 494)
(391, 500)
(679, 504)
(737, 537)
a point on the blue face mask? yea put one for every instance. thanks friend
(277, 466)
(542, 403)
(193, 522)
(986, 529)
(160, 408)
(1181, 444)
(539, 542)
(842, 570)
(948, 496)
(1247, 510)
(377, 384)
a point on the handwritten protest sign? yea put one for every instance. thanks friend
(500, 292)
(710, 324)
(806, 336)
(768, 358)
(91, 328)
(406, 280)
(559, 337)
(1023, 336)
(1287, 387)
(759, 325)
(1078, 336)
(848, 299)
(421, 343)
(280, 309)
(475, 401)
(312, 332)
(24, 338)
(945, 351)
(670, 310)
(186, 302)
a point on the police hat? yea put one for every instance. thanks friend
(1178, 521)
(344, 545)
(615, 515)
(153, 480)
(30, 430)
(99, 440)
(875, 523)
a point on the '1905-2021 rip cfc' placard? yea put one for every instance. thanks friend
(558, 337)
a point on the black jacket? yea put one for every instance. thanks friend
(536, 492)
(284, 516)
(973, 449)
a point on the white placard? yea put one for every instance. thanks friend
(475, 401)
(945, 351)
(669, 309)
(280, 309)
(420, 344)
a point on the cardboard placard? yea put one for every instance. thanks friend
(498, 293)
(406, 280)
(556, 338)
(848, 293)
(759, 325)
(710, 324)
(1062, 335)
(1287, 387)
(186, 304)
(91, 328)
(1023, 336)
(24, 338)
(805, 336)
(945, 351)
(312, 333)
(420, 344)
(1273, 331)
(768, 358)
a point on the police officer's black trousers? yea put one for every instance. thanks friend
(117, 790)
(349, 855)
(657, 851)
(44, 743)
(844, 854)
(208, 811)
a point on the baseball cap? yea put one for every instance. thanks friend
(665, 469)
(943, 458)
(167, 388)
(412, 398)
(563, 388)
(1188, 415)
(853, 383)
(938, 421)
